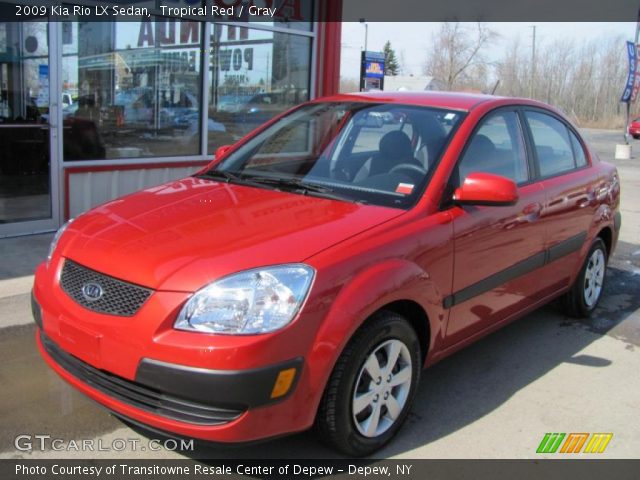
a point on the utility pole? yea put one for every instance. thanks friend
(363, 54)
(533, 61)
(366, 32)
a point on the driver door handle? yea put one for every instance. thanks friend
(532, 211)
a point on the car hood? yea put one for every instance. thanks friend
(183, 235)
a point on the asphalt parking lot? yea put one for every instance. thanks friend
(496, 399)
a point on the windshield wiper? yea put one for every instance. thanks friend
(288, 184)
(297, 185)
(229, 177)
(220, 174)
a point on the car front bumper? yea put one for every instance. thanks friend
(216, 388)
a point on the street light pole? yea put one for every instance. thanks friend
(363, 54)
(366, 32)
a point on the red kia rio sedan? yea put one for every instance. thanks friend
(313, 269)
(634, 128)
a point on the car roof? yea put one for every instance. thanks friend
(450, 100)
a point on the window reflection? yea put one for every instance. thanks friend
(131, 89)
(255, 75)
(25, 181)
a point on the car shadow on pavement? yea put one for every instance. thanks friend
(479, 379)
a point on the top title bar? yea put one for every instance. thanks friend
(324, 10)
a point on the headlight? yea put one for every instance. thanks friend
(56, 238)
(255, 301)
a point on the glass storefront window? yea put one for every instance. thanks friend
(255, 75)
(131, 89)
(25, 176)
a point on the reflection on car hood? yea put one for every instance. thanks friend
(185, 234)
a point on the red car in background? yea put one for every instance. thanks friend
(309, 273)
(634, 128)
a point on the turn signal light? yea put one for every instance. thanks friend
(283, 382)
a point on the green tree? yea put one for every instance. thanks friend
(391, 65)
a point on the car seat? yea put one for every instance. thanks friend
(394, 149)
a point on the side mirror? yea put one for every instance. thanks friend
(220, 151)
(486, 189)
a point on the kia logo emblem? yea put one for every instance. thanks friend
(92, 291)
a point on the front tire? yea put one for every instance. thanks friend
(372, 387)
(585, 294)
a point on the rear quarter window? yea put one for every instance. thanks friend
(578, 151)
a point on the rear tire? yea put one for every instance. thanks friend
(585, 294)
(372, 386)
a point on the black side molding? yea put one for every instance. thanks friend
(617, 221)
(566, 247)
(527, 265)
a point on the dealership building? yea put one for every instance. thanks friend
(92, 110)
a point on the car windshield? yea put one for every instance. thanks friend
(380, 154)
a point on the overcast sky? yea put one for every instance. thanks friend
(412, 39)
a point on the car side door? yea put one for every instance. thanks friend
(571, 192)
(497, 248)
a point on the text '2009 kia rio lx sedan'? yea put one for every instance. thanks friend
(308, 274)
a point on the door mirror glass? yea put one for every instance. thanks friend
(486, 189)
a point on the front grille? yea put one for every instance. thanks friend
(118, 297)
(138, 395)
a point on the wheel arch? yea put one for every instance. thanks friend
(606, 234)
(396, 285)
(417, 317)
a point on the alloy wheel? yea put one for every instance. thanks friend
(382, 388)
(594, 277)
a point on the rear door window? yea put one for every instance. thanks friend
(552, 144)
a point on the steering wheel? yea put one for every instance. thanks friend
(410, 169)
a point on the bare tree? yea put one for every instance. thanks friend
(583, 80)
(456, 51)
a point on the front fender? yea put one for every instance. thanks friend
(360, 296)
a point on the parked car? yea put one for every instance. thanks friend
(67, 99)
(262, 107)
(140, 105)
(634, 128)
(310, 272)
